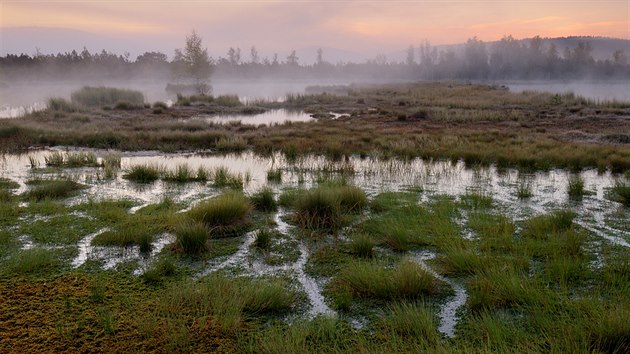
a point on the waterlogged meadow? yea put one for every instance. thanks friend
(304, 253)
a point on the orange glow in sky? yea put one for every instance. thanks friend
(366, 26)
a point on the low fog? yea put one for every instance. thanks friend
(533, 64)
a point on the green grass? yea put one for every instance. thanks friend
(183, 174)
(41, 189)
(264, 200)
(6, 184)
(327, 207)
(411, 321)
(225, 215)
(506, 288)
(164, 267)
(263, 239)
(473, 200)
(33, 261)
(222, 178)
(143, 173)
(134, 230)
(106, 96)
(575, 188)
(362, 245)
(540, 227)
(192, 237)
(229, 302)
(524, 190)
(620, 193)
(372, 280)
(274, 175)
(71, 159)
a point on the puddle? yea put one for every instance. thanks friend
(272, 117)
(448, 312)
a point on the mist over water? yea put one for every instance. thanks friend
(597, 90)
(24, 97)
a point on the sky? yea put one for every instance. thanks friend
(363, 28)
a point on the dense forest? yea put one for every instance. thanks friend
(506, 59)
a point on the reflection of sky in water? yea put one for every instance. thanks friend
(373, 175)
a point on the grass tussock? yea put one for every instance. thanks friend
(143, 173)
(184, 174)
(362, 245)
(372, 280)
(327, 207)
(412, 321)
(106, 96)
(33, 261)
(71, 159)
(192, 237)
(575, 188)
(620, 193)
(222, 178)
(228, 301)
(274, 175)
(540, 227)
(225, 215)
(263, 200)
(41, 189)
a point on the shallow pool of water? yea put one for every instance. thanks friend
(272, 117)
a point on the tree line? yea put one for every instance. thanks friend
(506, 59)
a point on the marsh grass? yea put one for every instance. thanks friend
(362, 245)
(192, 237)
(263, 239)
(327, 207)
(540, 227)
(229, 301)
(137, 230)
(475, 200)
(505, 288)
(34, 261)
(61, 105)
(164, 267)
(575, 188)
(263, 200)
(524, 190)
(222, 178)
(620, 192)
(274, 175)
(143, 173)
(41, 189)
(413, 321)
(372, 280)
(183, 174)
(225, 215)
(106, 96)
